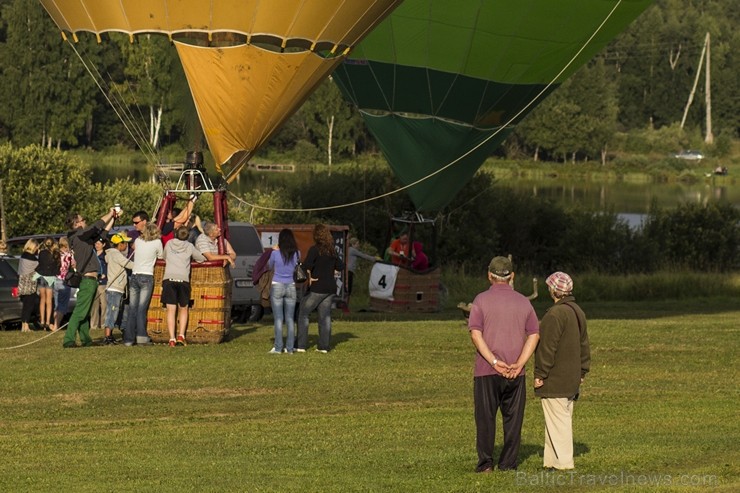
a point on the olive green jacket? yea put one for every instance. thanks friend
(562, 356)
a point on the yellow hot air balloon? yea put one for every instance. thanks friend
(249, 63)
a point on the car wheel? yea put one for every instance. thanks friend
(254, 313)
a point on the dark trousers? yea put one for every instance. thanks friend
(310, 302)
(491, 393)
(29, 307)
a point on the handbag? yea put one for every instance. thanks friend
(299, 273)
(73, 278)
(26, 284)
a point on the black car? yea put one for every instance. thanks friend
(10, 303)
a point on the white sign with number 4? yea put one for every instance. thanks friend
(382, 281)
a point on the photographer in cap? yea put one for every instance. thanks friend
(82, 240)
(562, 360)
(503, 327)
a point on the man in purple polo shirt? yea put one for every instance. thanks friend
(505, 331)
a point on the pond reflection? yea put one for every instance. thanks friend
(628, 197)
(619, 196)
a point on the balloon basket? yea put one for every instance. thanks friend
(413, 292)
(209, 317)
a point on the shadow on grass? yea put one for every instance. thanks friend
(528, 450)
(580, 449)
(622, 310)
(241, 330)
(337, 339)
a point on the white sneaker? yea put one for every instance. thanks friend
(324, 351)
(273, 351)
(299, 350)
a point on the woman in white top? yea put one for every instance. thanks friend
(148, 248)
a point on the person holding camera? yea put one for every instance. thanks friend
(82, 238)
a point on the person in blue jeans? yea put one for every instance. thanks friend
(282, 262)
(117, 262)
(322, 263)
(148, 249)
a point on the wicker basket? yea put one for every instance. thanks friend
(209, 273)
(216, 295)
(208, 326)
(156, 301)
(209, 319)
(158, 273)
(204, 326)
(156, 324)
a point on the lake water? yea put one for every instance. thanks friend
(630, 197)
(632, 200)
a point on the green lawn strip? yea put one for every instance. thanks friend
(389, 409)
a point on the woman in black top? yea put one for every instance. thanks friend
(322, 263)
(48, 269)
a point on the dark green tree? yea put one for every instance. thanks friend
(40, 187)
(46, 95)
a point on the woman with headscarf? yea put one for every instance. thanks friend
(562, 359)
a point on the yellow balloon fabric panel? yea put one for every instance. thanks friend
(244, 93)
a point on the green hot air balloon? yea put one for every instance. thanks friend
(440, 82)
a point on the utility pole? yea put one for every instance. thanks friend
(696, 82)
(709, 138)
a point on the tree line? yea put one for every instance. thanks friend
(641, 81)
(41, 186)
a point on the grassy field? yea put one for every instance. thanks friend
(389, 409)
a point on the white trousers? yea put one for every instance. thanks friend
(558, 432)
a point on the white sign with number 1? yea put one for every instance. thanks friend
(269, 238)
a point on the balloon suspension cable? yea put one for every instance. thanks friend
(120, 109)
(462, 156)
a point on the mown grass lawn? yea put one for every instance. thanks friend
(389, 409)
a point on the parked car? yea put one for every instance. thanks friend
(10, 302)
(245, 296)
(690, 155)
